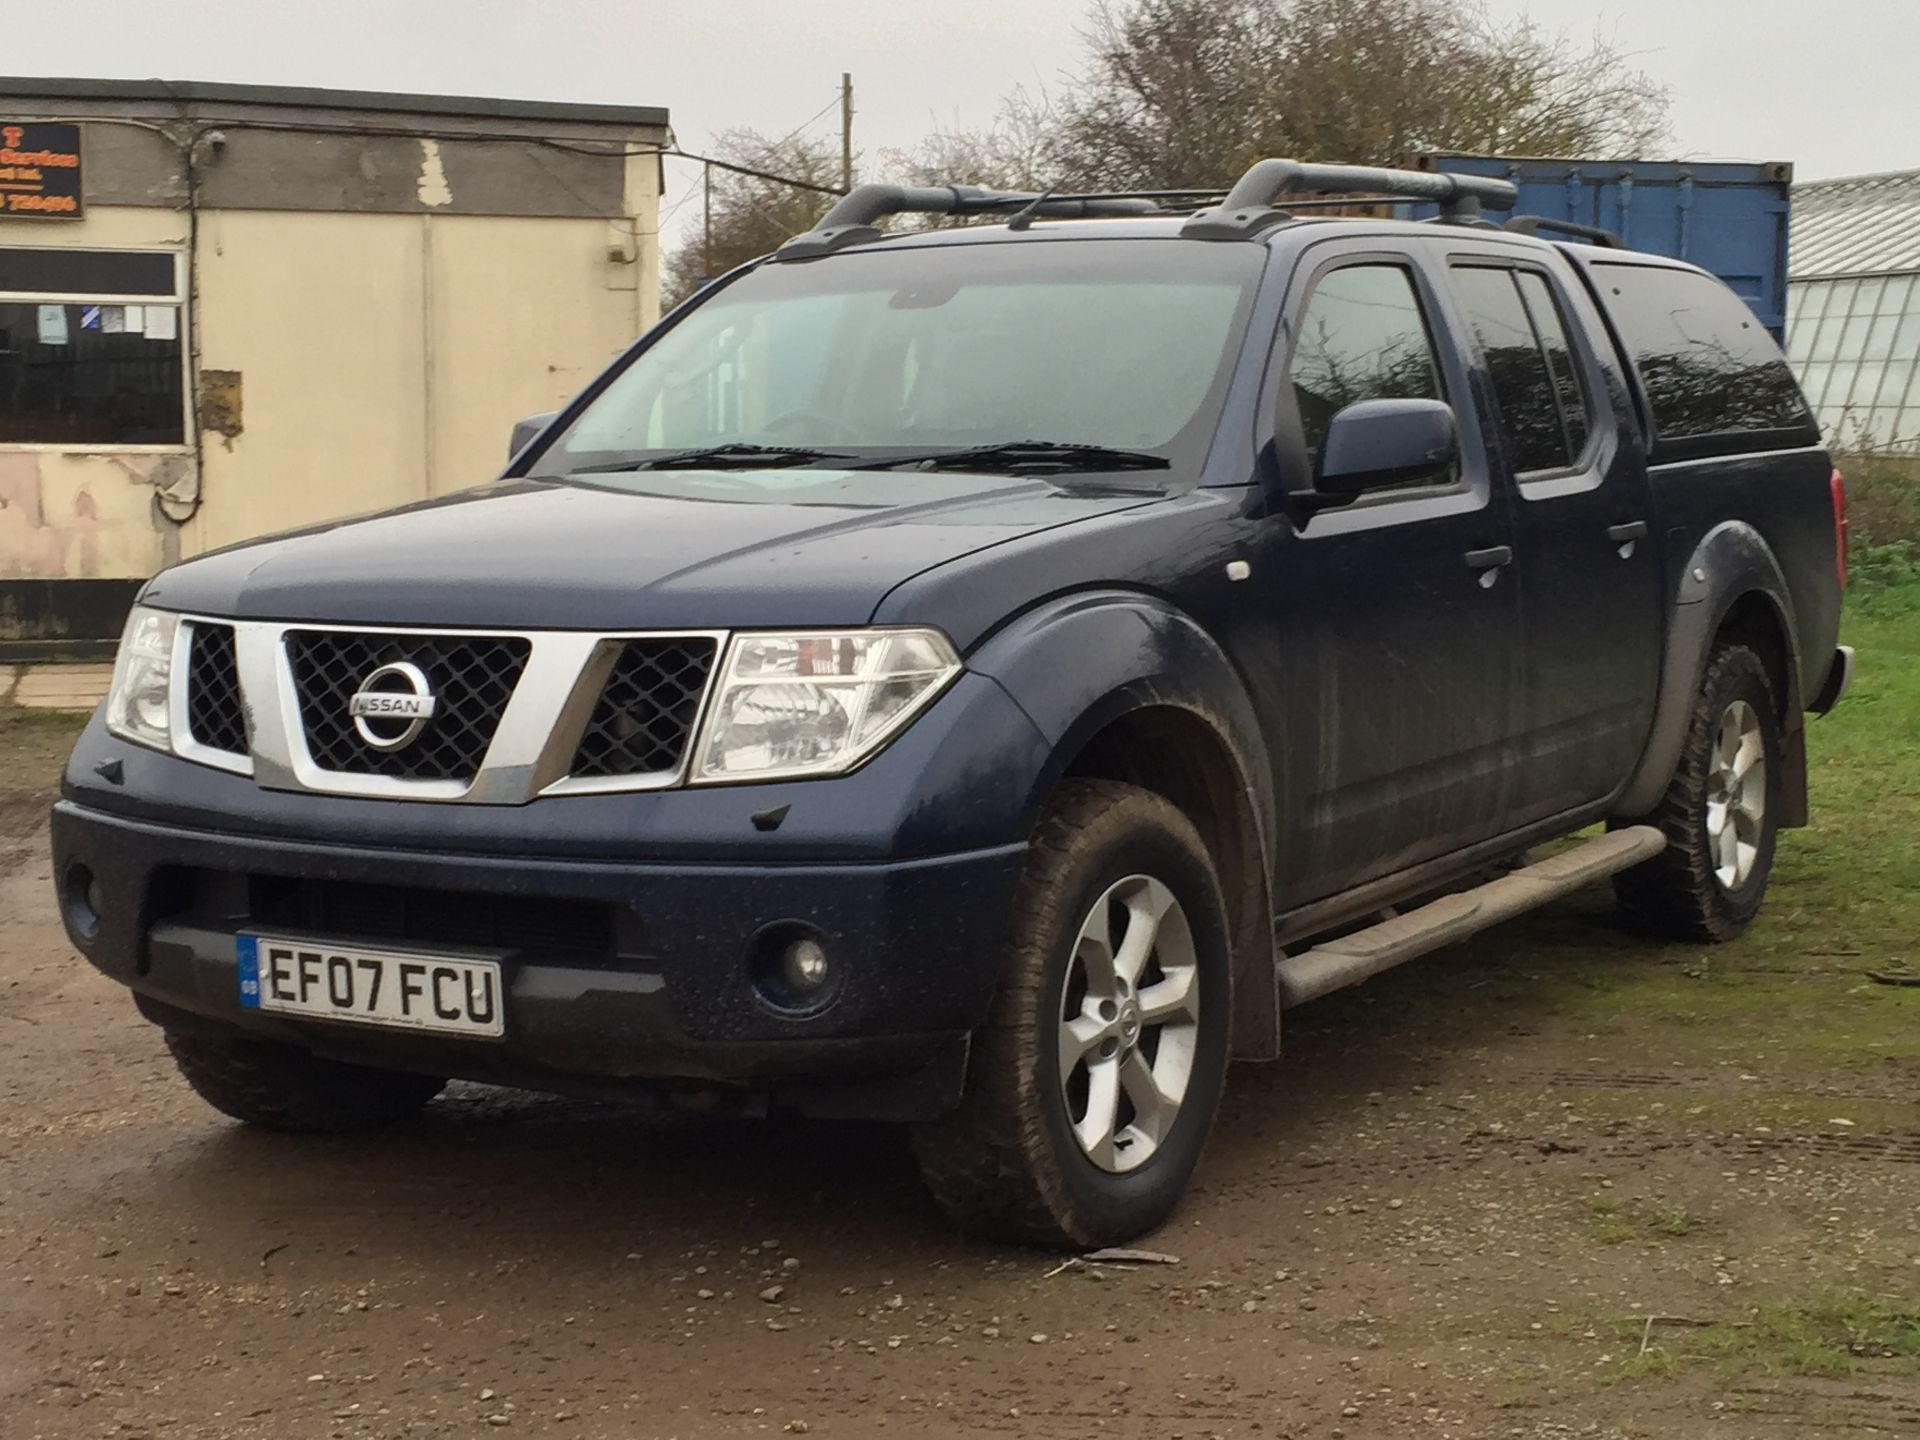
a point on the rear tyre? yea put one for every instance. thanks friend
(1093, 1084)
(279, 1087)
(1719, 814)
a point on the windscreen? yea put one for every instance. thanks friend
(1118, 343)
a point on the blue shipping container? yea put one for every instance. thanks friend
(1727, 217)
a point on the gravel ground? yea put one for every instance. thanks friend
(1451, 1211)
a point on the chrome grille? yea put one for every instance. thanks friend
(472, 677)
(644, 717)
(214, 716)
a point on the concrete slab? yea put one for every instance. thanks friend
(61, 687)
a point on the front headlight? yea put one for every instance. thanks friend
(137, 703)
(817, 703)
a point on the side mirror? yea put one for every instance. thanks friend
(525, 430)
(1377, 443)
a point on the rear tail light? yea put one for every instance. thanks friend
(1839, 488)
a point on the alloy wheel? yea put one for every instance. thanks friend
(1129, 1023)
(1736, 794)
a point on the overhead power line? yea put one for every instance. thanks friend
(749, 170)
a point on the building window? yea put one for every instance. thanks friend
(91, 348)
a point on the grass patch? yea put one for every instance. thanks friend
(1883, 499)
(1654, 1364)
(20, 721)
(1677, 1222)
(1616, 1222)
(1830, 1335)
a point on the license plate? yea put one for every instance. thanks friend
(371, 987)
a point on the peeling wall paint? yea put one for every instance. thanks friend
(433, 188)
(221, 411)
(77, 517)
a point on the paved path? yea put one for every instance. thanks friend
(55, 687)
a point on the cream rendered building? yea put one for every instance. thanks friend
(278, 307)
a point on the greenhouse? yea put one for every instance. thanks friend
(1853, 308)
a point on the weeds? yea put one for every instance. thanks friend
(1828, 1335)
(1883, 519)
(1616, 1223)
(1677, 1222)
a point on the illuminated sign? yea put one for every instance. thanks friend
(40, 172)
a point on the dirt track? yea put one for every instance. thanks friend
(1445, 1213)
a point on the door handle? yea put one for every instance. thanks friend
(1632, 530)
(1489, 562)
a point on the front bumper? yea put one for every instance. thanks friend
(669, 998)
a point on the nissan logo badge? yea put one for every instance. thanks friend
(396, 695)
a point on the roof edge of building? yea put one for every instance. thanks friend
(314, 97)
(1835, 182)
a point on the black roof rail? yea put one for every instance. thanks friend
(852, 219)
(1253, 203)
(1534, 224)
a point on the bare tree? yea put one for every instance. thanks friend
(752, 215)
(1371, 79)
(1185, 92)
(1176, 92)
(1549, 94)
(1018, 151)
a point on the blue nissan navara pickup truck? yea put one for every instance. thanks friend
(981, 678)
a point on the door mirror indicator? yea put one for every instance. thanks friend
(1378, 444)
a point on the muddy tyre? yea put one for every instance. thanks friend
(281, 1088)
(1093, 1084)
(1720, 813)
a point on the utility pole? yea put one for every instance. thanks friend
(846, 132)
(706, 262)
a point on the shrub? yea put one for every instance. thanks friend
(1883, 499)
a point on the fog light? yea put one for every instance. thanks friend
(791, 974)
(804, 965)
(83, 900)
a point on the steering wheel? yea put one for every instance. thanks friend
(841, 431)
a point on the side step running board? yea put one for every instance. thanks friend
(1365, 953)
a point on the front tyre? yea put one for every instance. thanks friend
(279, 1087)
(1093, 1083)
(1720, 814)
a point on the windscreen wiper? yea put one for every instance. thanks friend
(737, 455)
(1032, 455)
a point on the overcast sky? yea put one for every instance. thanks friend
(1829, 85)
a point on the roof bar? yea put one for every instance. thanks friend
(1534, 224)
(852, 220)
(1253, 203)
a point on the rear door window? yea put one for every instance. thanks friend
(1531, 421)
(1714, 379)
(1550, 324)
